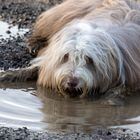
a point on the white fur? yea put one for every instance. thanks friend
(80, 39)
(97, 43)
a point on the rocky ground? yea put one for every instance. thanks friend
(14, 54)
(98, 134)
(14, 51)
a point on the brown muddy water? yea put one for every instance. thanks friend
(22, 105)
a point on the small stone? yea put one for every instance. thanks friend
(8, 32)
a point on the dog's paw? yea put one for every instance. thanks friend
(21, 75)
(7, 76)
(35, 44)
(115, 96)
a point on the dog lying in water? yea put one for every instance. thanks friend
(86, 46)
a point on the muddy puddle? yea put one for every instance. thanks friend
(22, 105)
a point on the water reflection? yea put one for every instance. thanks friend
(19, 108)
(85, 115)
(22, 105)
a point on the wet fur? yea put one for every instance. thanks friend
(112, 29)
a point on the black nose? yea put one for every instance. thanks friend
(72, 83)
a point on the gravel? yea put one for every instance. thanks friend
(98, 134)
(14, 54)
(14, 51)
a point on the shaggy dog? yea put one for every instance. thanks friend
(88, 46)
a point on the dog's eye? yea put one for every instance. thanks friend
(65, 58)
(88, 60)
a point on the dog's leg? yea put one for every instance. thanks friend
(115, 96)
(21, 75)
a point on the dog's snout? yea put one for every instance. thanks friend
(73, 82)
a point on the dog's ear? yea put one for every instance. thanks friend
(36, 43)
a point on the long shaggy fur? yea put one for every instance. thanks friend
(88, 46)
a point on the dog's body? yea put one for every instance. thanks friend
(88, 46)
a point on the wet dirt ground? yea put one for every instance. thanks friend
(29, 113)
(14, 54)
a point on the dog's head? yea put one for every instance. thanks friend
(79, 59)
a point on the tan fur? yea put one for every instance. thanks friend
(56, 18)
(117, 19)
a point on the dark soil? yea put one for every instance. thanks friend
(14, 51)
(21, 13)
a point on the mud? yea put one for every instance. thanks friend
(14, 54)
